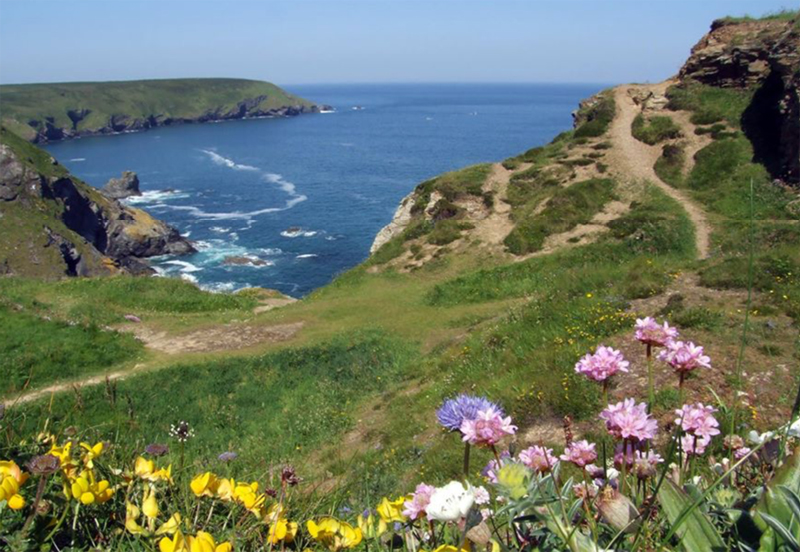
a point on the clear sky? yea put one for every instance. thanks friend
(329, 41)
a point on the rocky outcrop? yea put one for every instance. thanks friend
(764, 56)
(125, 186)
(92, 234)
(401, 219)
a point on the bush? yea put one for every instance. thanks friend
(654, 129)
(669, 167)
(598, 117)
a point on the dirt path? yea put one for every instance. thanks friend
(493, 229)
(634, 159)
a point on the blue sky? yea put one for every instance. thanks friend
(329, 41)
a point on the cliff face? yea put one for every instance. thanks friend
(763, 56)
(53, 224)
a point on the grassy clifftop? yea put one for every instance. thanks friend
(59, 110)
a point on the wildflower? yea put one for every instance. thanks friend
(150, 505)
(698, 420)
(645, 463)
(628, 420)
(580, 453)
(366, 522)
(650, 332)
(282, 530)
(488, 427)
(490, 470)
(205, 484)
(513, 479)
(289, 476)
(694, 445)
(181, 432)
(481, 495)
(88, 490)
(391, 510)
(733, 442)
(227, 456)
(11, 479)
(203, 542)
(454, 412)
(585, 491)
(156, 449)
(334, 534)
(684, 356)
(451, 502)
(92, 452)
(604, 363)
(741, 452)
(45, 464)
(415, 507)
(146, 469)
(538, 458)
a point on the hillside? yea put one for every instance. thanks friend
(54, 225)
(668, 200)
(55, 111)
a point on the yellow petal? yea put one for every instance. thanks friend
(16, 502)
(87, 498)
(150, 505)
(224, 547)
(170, 526)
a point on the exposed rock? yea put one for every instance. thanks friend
(93, 235)
(241, 261)
(399, 222)
(120, 188)
(762, 55)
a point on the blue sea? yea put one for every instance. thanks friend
(304, 197)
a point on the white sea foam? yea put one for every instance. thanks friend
(156, 196)
(271, 250)
(306, 256)
(327, 111)
(220, 229)
(230, 163)
(299, 233)
(77, 159)
(188, 277)
(186, 267)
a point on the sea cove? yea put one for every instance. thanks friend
(303, 197)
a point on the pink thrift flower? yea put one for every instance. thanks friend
(481, 495)
(693, 445)
(684, 356)
(741, 452)
(650, 332)
(488, 427)
(629, 421)
(538, 458)
(627, 456)
(604, 363)
(645, 463)
(415, 508)
(580, 453)
(698, 419)
(584, 491)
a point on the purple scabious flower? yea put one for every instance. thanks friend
(227, 456)
(454, 412)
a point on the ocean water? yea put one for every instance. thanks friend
(304, 197)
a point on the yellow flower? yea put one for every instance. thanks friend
(146, 469)
(368, 528)
(92, 452)
(204, 542)
(247, 495)
(392, 510)
(11, 479)
(205, 484)
(513, 479)
(150, 505)
(451, 548)
(132, 514)
(334, 534)
(64, 455)
(282, 530)
(88, 491)
(176, 544)
(170, 526)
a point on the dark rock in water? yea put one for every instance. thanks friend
(293, 230)
(120, 188)
(240, 261)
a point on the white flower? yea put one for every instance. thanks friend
(757, 439)
(451, 502)
(794, 429)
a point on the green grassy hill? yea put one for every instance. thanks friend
(57, 110)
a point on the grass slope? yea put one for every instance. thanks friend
(168, 99)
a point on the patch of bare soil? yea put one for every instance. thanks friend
(220, 338)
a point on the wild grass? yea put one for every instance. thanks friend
(669, 166)
(709, 104)
(565, 209)
(779, 15)
(654, 129)
(597, 117)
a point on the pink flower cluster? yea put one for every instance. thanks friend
(650, 332)
(538, 458)
(629, 421)
(684, 356)
(580, 453)
(488, 427)
(604, 363)
(416, 506)
(645, 463)
(700, 425)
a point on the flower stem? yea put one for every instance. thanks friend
(650, 385)
(466, 460)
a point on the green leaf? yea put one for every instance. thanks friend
(782, 531)
(775, 504)
(697, 534)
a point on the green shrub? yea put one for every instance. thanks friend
(709, 104)
(598, 117)
(669, 166)
(444, 232)
(654, 129)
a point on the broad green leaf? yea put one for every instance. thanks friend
(775, 504)
(697, 534)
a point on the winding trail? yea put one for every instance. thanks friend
(634, 159)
